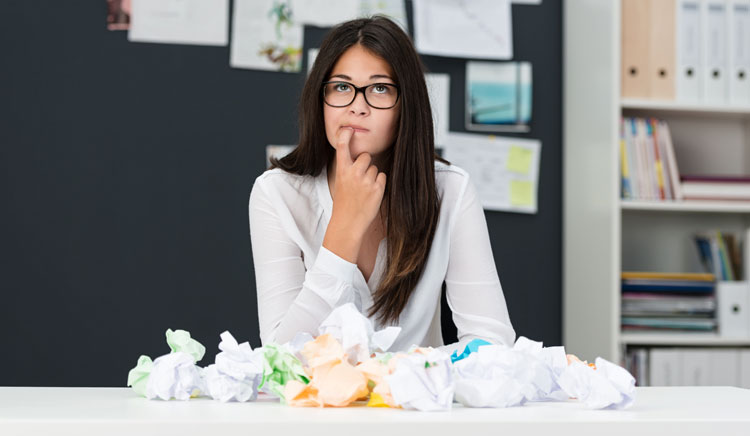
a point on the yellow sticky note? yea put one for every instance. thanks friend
(521, 193)
(519, 159)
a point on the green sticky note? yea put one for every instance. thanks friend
(180, 340)
(138, 376)
(521, 193)
(280, 366)
(519, 159)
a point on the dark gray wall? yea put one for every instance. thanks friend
(125, 170)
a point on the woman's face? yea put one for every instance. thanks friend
(375, 129)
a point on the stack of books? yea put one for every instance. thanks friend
(648, 167)
(726, 188)
(653, 301)
(720, 254)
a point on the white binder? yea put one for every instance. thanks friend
(715, 44)
(665, 367)
(733, 311)
(696, 366)
(745, 369)
(739, 52)
(689, 48)
(725, 367)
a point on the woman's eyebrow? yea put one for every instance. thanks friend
(374, 76)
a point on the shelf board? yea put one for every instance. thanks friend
(681, 339)
(686, 206)
(685, 108)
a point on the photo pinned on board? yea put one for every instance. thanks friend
(498, 96)
(118, 14)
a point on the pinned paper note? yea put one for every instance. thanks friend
(498, 96)
(312, 54)
(198, 22)
(468, 29)
(521, 193)
(438, 88)
(328, 13)
(265, 36)
(268, 34)
(519, 159)
(505, 171)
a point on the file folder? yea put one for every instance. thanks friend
(634, 67)
(662, 50)
(715, 42)
(689, 51)
(739, 52)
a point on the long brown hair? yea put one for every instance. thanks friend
(411, 203)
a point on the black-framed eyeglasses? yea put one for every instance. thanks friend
(378, 95)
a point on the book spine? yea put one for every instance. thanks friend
(624, 169)
(724, 256)
(674, 171)
(646, 164)
(657, 158)
(668, 191)
(632, 158)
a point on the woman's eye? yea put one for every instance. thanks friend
(342, 87)
(380, 89)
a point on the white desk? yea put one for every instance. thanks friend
(114, 411)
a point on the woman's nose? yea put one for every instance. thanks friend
(359, 105)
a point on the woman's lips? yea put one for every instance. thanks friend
(358, 129)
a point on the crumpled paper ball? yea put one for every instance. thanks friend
(175, 375)
(237, 372)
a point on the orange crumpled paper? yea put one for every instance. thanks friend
(375, 370)
(334, 381)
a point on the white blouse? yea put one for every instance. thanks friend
(299, 282)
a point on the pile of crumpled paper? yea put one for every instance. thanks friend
(348, 361)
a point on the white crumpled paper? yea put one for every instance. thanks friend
(500, 376)
(237, 372)
(175, 375)
(297, 343)
(356, 334)
(422, 381)
(609, 386)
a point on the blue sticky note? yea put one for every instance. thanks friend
(471, 347)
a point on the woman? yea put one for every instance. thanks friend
(364, 211)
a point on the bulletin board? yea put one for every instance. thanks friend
(126, 172)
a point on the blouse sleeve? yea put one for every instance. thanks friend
(291, 299)
(473, 288)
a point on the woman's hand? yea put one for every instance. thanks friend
(358, 193)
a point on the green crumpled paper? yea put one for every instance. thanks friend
(280, 366)
(138, 376)
(180, 340)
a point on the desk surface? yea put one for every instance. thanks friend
(112, 411)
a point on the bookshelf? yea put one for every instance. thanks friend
(672, 107)
(604, 235)
(681, 339)
(686, 206)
